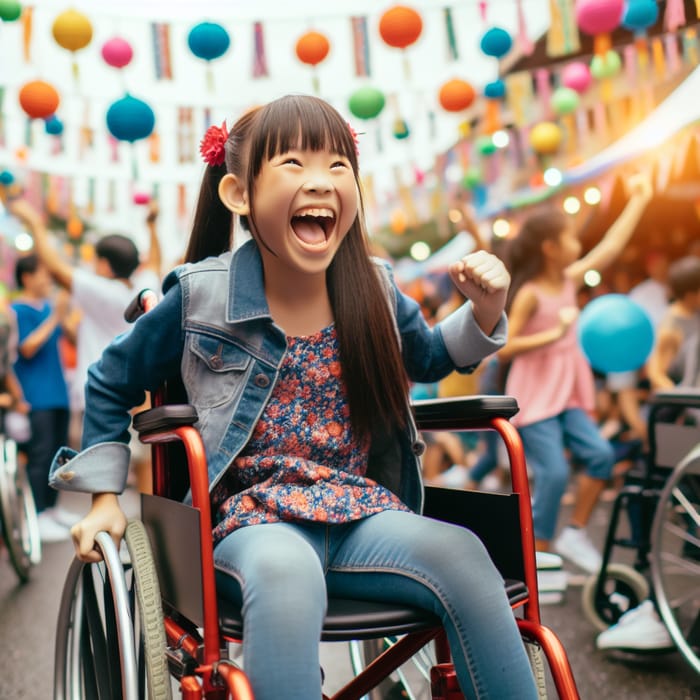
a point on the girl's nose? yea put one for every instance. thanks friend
(318, 183)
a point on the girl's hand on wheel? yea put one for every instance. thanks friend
(105, 515)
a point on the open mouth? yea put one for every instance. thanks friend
(313, 226)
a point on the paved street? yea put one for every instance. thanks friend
(28, 615)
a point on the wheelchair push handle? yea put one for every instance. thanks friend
(144, 301)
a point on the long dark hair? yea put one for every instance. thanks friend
(523, 254)
(373, 370)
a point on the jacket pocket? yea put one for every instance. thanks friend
(218, 370)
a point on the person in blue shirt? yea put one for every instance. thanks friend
(39, 370)
(297, 351)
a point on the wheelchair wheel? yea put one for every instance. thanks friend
(411, 680)
(110, 638)
(537, 663)
(18, 518)
(623, 589)
(675, 557)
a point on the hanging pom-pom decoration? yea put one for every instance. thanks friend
(130, 119)
(117, 52)
(38, 99)
(312, 48)
(639, 15)
(577, 76)
(495, 42)
(400, 27)
(10, 10)
(367, 103)
(598, 18)
(72, 31)
(208, 41)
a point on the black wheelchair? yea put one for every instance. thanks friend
(147, 618)
(661, 499)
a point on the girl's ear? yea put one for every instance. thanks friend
(234, 195)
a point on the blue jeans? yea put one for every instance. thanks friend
(282, 573)
(545, 443)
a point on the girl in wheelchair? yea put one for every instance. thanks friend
(297, 351)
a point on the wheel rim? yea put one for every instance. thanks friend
(88, 662)
(675, 560)
(17, 512)
(623, 589)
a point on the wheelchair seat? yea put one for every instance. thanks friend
(360, 619)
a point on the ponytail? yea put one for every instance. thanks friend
(212, 229)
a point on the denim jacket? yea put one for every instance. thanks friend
(213, 328)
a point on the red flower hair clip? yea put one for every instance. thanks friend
(212, 145)
(355, 138)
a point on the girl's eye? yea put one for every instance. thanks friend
(293, 161)
(339, 164)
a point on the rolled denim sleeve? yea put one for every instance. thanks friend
(101, 468)
(466, 343)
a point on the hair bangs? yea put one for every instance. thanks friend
(304, 122)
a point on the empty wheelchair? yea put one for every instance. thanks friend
(114, 639)
(661, 499)
(18, 517)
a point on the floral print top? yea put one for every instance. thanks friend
(302, 461)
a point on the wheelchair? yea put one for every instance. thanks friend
(145, 619)
(661, 497)
(18, 516)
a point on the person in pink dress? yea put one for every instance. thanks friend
(549, 375)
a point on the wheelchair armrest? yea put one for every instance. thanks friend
(164, 417)
(683, 396)
(462, 412)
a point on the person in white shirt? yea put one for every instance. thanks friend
(100, 294)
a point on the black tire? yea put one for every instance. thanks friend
(90, 653)
(623, 589)
(18, 518)
(675, 557)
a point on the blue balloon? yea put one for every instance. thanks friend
(6, 178)
(53, 126)
(640, 14)
(615, 333)
(130, 119)
(496, 42)
(495, 90)
(208, 40)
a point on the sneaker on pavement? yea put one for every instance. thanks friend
(573, 544)
(639, 629)
(50, 530)
(547, 561)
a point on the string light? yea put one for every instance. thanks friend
(572, 205)
(592, 195)
(592, 278)
(420, 251)
(501, 228)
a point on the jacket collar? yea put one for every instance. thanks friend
(246, 286)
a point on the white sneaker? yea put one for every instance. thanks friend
(638, 629)
(573, 544)
(50, 530)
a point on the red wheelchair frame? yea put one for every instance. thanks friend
(208, 674)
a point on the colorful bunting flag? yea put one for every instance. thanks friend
(360, 43)
(562, 36)
(260, 69)
(160, 33)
